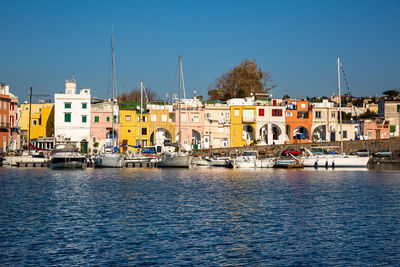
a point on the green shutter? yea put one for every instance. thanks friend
(398, 108)
(392, 128)
(67, 117)
(96, 119)
(67, 105)
(108, 118)
(84, 105)
(83, 118)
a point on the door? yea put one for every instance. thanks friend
(378, 134)
(333, 136)
(125, 147)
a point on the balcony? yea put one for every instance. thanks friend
(5, 125)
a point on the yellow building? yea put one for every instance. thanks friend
(243, 124)
(130, 129)
(42, 120)
(162, 124)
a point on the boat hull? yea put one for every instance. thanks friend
(109, 161)
(335, 162)
(175, 162)
(62, 162)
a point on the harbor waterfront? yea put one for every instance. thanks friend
(199, 216)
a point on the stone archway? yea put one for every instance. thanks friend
(319, 134)
(161, 137)
(301, 133)
(249, 134)
(196, 139)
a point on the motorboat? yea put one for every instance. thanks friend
(66, 155)
(250, 159)
(109, 160)
(174, 161)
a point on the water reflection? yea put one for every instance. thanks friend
(199, 217)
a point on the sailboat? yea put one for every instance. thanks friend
(111, 159)
(179, 160)
(335, 160)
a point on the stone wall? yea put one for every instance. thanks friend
(392, 144)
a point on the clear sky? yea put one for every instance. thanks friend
(44, 42)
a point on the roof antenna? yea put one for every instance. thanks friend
(73, 76)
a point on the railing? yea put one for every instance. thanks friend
(5, 125)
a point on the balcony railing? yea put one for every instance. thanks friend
(5, 125)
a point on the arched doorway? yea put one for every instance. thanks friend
(264, 134)
(301, 133)
(248, 133)
(161, 137)
(196, 139)
(110, 135)
(319, 134)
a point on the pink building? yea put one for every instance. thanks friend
(376, 129)
(101, 127)
(191, 123)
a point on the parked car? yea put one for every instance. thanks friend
(383, 153)
(288, 152)
(363, 153)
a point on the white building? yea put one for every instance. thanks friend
(270, 128)
(72, 115)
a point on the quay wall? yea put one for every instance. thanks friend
(392, 144)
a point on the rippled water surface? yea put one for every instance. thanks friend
(199, 217)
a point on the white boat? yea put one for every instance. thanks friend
(174, 161)
(178, 160)
(66, 156)
(202, 162)
(111, 159)
(249, 159)
(335, 160)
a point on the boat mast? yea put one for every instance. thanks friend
(179, 102)
(113, 85)
(141, 111)
(340, 107)
(30, 113)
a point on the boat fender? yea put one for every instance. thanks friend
(316, 164)
(333, 164)
(326, 164)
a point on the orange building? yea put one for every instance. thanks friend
(298, 119)
(4, 122)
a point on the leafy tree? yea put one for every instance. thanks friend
(391, 93)
(240, 81)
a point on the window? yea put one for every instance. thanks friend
(84, 119)
(145, 118)
(5, 105)
(185, 142)
(237, 112)
(67, 117)
(153, 117)
(183, 117)
(164, 118)
(289, 114)
(333, 114)
(344, 134)
(96, 118)
(303, 105)
(138, 118)
(129, 130)
(277, 112)
(144, 131)
(94, 139)
(108, 118)
(84, 105)
(318, 114)
(369, 134)
(34, 122)
(208, 115)
(127, 117)
(227, 115)
(398, 108)
(248, 115)
(195, 118)
(216, 141)
(115, 119)
(274, 102)
(67, 105)
(261, 112)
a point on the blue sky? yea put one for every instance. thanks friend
(44, 42)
